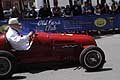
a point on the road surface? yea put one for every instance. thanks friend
(111, 71)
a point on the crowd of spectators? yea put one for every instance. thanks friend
(68, 11)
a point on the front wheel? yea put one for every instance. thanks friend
(92, 58)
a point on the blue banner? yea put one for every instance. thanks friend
(70, 24)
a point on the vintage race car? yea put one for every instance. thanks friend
(52, 47)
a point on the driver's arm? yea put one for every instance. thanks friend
(20, 39)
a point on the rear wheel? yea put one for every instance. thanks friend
(92, 58)
(7, 64)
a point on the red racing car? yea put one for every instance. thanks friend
(52, 47)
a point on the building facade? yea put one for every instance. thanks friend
(8, 4)
(51, 3)
(39, 3)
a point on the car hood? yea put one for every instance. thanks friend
(72, 38)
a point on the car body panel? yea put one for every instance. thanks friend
(50, 47)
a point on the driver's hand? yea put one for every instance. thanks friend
(31, 36)
(31, 33)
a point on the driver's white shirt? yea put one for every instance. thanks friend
(17, 41)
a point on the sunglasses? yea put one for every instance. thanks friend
(16, 24)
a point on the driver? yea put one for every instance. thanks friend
(16, 40)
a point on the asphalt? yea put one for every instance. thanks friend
(110, 44)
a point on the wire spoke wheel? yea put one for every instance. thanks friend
(5, 66)
(93, 58)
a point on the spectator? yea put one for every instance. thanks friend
(62, 11)
(113, 8)
(26, 12)
(105, 9)
(44, 12)
(56, 11)
(15, 12)
(32, 13)
(76, 9)
(97, 10)
(68, 11)
(87, 9)
(118, 9)
(92, 9)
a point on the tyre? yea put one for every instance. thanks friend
(7, 64)
(92, 58)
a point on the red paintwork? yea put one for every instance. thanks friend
(49, 47)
